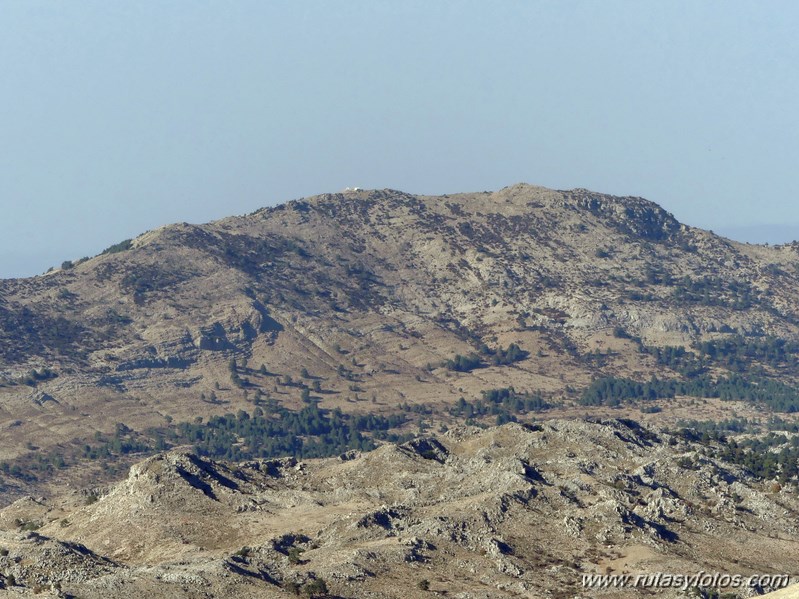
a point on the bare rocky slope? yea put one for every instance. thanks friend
(512, 511)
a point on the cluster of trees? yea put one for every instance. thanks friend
(122, 246)
(613, 391)
(773, 456)
(67, 264)
(740, 355)
(737, 353)
(514, 400)
(235, 378)
(308, 433)
(486, 357)
(505, 404)
(503, 357)
(464, 363)
(34, 464)
(105, 449)
(32, 378)
(123, 442)
(775, 423)
(778, 396)
(716, 429)
(705, 291)
(677, 358)
(713, 291)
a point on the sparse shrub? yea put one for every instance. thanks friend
(315, 588)
(27, 524)
(424, 585)
(620, 333)
(238, 381)
(295, 555)
(118, 247)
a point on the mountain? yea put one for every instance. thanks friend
(366, 316)
(378, 394)
(512, 511)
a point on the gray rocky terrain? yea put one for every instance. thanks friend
(512, 511)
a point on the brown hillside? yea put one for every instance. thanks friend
(368, 293)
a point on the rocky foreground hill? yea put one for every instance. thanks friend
(346, 320)
(512, 511)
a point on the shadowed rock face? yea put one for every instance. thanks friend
(506, 512)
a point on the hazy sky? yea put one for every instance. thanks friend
(117, 117)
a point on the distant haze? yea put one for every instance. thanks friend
(772, 234)
(118, 117)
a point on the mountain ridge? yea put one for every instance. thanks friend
(373, 294)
